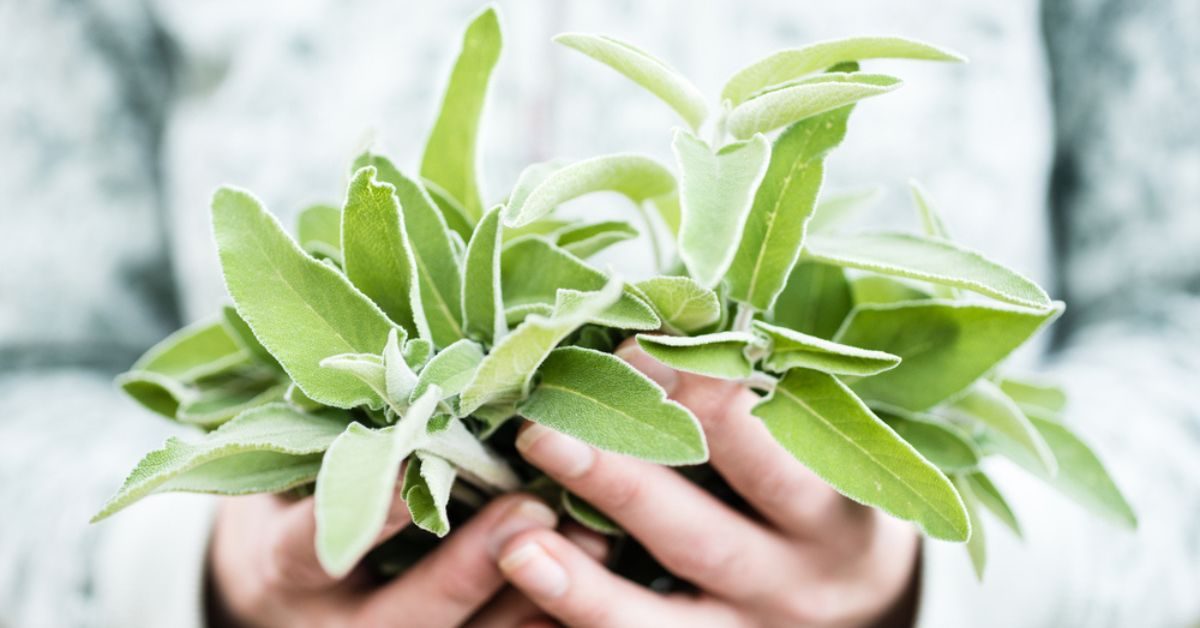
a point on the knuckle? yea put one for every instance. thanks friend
(461, 586)
(814, 606)
(618, 492)
(775, 486)
(705, 559)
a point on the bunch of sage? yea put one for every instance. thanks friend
(396, 336)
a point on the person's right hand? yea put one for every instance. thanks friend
(264, 570)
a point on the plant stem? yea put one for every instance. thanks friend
(718, 129)
(760, 381)
(745, 314)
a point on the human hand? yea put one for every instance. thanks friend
(816, 558)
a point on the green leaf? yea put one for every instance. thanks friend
(433, 251)
(926, 259)
(482, 298)
(1035, 397)
(585, 241)
(601, 400)
(300, 309)
(634, 176)
(451, 152)
(156, 392)
(426, 491)
(460, 447)
(791, 349)
(505, 374)
(533, 270)
(721, 354)
(947, 447)
(587, 515)
(826, 427)
(786, 198)
(629, 312)
(977, 543)
(196, 351)
(217, 404)
(451, 369)
(985, 404)
(300, 401)
(815, 300)
(787, 65)
(931, 219)
(452, 211)
(682, 305)
(716, 194)
(239, 444)
(645, 70)
(880, 289)
(944, 345)
(990, 497)
(792, 103)
(367, 368)
(518, 313)
(834, 209)
(398, 374)
(244, 337)
(319, 231)
(377, 256)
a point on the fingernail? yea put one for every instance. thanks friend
(532, 569)
(526, 515)
(662, 374)
(555, 452)
(592, 545)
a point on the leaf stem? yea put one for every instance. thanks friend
(760, 381)
(745, 314)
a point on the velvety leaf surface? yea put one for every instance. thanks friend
(791, 103)
(587, 240)
(482, 299)
(880, 289)
(629, 312)
(791, 349)
(319, 231)
(426, 491)
(947, 447)
(196, 351)
(990, 497)
(1033, 396)
(977, 544)
(217, 404)
(636, 177)
(683, 305)
(721, 354)
(452, 211)
(244, 336)
(836, 208)
(985, 404)
(451, 369)
(815, 300)
(533, 270)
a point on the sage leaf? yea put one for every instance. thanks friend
(376, 253)
(217, 404)
(977, 544)
(629, 312)
(274, 428)
(244, 337)
(417, 352)
(587, 240)
(533, 270)
(992, 499)
(398, 376)
(300, 309)
(300, 401)
(451, 150)
(587, 515)
(634, 176)
(196, 351)
(931, 219)
(452, 211)
(985, 404)
(775, 227)
(319, 231)
(451, 369)
(645, 70)
(716, 194)
(426, 491)
(682, 305)
(603, 401)
(482, 298)
(815, 300)
(518, 313)
(834, 209)
(944, 345)
(946, 446)
(433, 251)
(721, 354)
(791, 349)
(880, 289)
(460, 447)
(781, 107)
(827, 428)
(1034, 397)
(368, 368)
(787, 65)
(927, 259)
(156, 392)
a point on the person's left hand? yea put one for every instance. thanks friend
(817, 559)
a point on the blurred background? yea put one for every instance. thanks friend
(1069, 149)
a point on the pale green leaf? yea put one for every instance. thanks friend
(815, 300)
(156, 392)
(300, 401)
(787, 104)
(834, 209)
(533, 270)
(587, 515)
(452, 211)
(881, 289)
(456, 444)
(787, 65)
(319, 231)
(682, 305)
(426, 491)
(976, 545)
(716, 194)
(1033, 396)
(367, 368)
(244, 336)
(482, 298)
(926, 259)
(944, 345)
(530, 178)
(216, 404)
(791, 349)
(518, 313)
(194, 352)
(946, 446)
(300, 309)
(451, 152)
(721, 354)
(775, 227)
(273, 428)
(985, 404)
(629, 312)
(826, 427)
(417, 352)
(634, 176)
(584, 241)
(603, 401)
(376, 253)
(991, 498)
(645, 70)
(398, 375)
(451, 369)
(931, 219)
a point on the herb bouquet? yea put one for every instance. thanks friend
(414, 324)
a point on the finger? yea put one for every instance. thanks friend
(688, 530)
(460, 576)
(568, 584)
(508, 609)
(594, 544)
(742, 450)
(292, 559)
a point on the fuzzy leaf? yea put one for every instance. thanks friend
(300, 309)
(815, 300)
(319, 231)
(601, 400)
(451, 369)
(533, 270)
(451, 152)
(196, 351)
(976, 545)
(645, 70)
(721, 354)
(792, 103)
(944, 345)
(456, 444)
(826, 427)
(1035, 397)
(791, 349)
(629, 312)
(985, 404)
(367, 368)
(482, 299)
(638, 178)
(716, 194)
(220, 403)
(156, 392)
(927, 259)
(787, 65)
(991, 498)
(426, 491)
(240, 444)
(931, 219)
(244, 337)
(770, 245)
(683, 305)
(433, 251)
(452, 211)
(880, 289)
(587, 515)
(585, 241)
(947, 447)
(834, 209)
